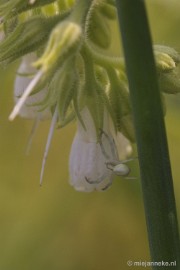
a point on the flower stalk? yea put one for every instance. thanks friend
(157, 182)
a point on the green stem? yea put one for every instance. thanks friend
(157, 182)
(104, 60)
(80, 11)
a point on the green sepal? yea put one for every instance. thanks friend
(66, 94)
(127, 127)
(64, 5)
(105, 101)
(101, 76)
(69, 118)
(169, 82)
(14, 7)
(27, 37)
(98, 30)
(10, 25)
(52, 82)
(60, 90)
(54, 87)
(76, 101)
(118, 97)
(108, 10)
(92, 99)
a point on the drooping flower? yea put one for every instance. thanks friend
(88, 157)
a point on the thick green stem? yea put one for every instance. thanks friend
(157, 183)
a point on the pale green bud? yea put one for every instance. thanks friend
(167, 60)
(64, 42)
(169, 51)
(164, 62)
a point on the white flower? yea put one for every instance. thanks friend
(23, 79)
(88, 158)
(123, 145)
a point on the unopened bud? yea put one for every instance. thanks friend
(169, 51)
(169, 82)
(164, 62)
(64, 42)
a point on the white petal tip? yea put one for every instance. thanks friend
(13, 115)
(41, 177)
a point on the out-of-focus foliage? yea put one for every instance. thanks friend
(55, 227)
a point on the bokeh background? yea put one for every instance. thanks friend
(54, 227)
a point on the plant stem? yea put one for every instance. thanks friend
(105, 60)
(80, 11)
(157, 182)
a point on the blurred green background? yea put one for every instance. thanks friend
(55, 227)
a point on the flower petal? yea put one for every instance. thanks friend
(87, 164)
(21, 83)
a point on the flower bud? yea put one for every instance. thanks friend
(164, 62)
(64, 42)
(169, 82)
(169, 51)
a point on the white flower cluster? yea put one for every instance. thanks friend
(88, 158)
(65, 73)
